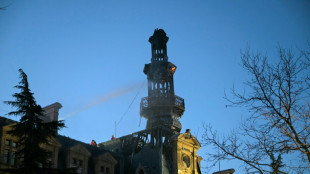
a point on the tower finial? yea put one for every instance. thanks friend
(159, 45)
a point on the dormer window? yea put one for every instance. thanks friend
(14, 144)
(79, 162)
(7, 142)
(74, 161)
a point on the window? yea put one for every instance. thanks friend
(79, 170)
(80, 163)
(7, 142)
(6, 156)
(74, 161)
(48, 164)
(102, 169)
(77, 162)
(107, 170)
(12, 160)
(9, 155)
(40, 165)
(186, 161)
(14, 144)
(49, 155)
(49, 159)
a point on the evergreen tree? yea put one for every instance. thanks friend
(31, 130)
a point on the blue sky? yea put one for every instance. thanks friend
(77, 52)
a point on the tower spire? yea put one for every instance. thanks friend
(159, 45)
(161, 107)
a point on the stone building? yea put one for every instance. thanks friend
(158, 149)
(66, 154)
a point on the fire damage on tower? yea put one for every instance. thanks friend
(158, 149)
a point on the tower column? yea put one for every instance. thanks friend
(161, 107)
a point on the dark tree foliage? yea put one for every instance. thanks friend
(275, 136)
(31, 131)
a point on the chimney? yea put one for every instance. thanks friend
(188, 131)
(51, 112)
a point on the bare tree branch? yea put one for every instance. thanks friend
(277, 96)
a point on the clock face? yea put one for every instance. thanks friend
(186, 161)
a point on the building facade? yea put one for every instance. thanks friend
(66, 154)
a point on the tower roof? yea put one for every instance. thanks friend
(159, 35)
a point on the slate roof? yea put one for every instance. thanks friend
(67, 142)
(6, 121)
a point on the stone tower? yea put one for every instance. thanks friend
(160, 148)
(161, 107)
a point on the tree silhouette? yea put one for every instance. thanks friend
(31, 131)
(278, 125)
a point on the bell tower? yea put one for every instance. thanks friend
(161, 108)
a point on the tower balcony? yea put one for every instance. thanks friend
(153, 106)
